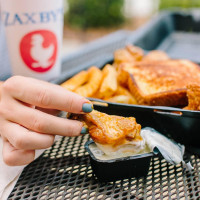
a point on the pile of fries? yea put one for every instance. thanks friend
(107, 84)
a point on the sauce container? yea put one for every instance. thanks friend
(119, 168)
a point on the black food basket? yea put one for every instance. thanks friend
(120, 168)
(178, 34)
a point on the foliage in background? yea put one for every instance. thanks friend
(164, 4)
(94, 13)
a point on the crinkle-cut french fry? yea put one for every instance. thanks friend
(136, 52)
(76, 81)
(123, 91)
(119, 99)
(109, 83)
(93, 84)
(156, 55)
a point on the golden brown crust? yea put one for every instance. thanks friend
(111, 129)
(193, 94)
(162, 82)
(168, 98)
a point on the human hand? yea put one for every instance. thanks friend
(24, 128)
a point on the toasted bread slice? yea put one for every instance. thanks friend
(161, 82)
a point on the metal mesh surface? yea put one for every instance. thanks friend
(64, 172)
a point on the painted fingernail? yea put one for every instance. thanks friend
(84, 130)
(87, 107)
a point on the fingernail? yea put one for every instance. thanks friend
(87, 107)
(84, 130)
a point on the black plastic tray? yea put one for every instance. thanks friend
(181, 125)
(120, 168)
(176, 33)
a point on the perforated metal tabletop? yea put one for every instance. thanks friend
(64, 172)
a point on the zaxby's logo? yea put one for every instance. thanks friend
(39, 50)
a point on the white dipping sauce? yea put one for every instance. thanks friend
(102, 156)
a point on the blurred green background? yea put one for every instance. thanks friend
(87, 20)
(92, 13)
(166, 4)
(109, 13)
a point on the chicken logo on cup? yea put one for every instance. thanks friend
(39, 50)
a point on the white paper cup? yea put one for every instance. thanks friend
(34, 36)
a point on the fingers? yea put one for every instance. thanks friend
(49, 111)
(25, 128)
(25, 139)
(14, 157)
(44, 94)
(41, 122)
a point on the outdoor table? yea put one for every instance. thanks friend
(64, 172)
